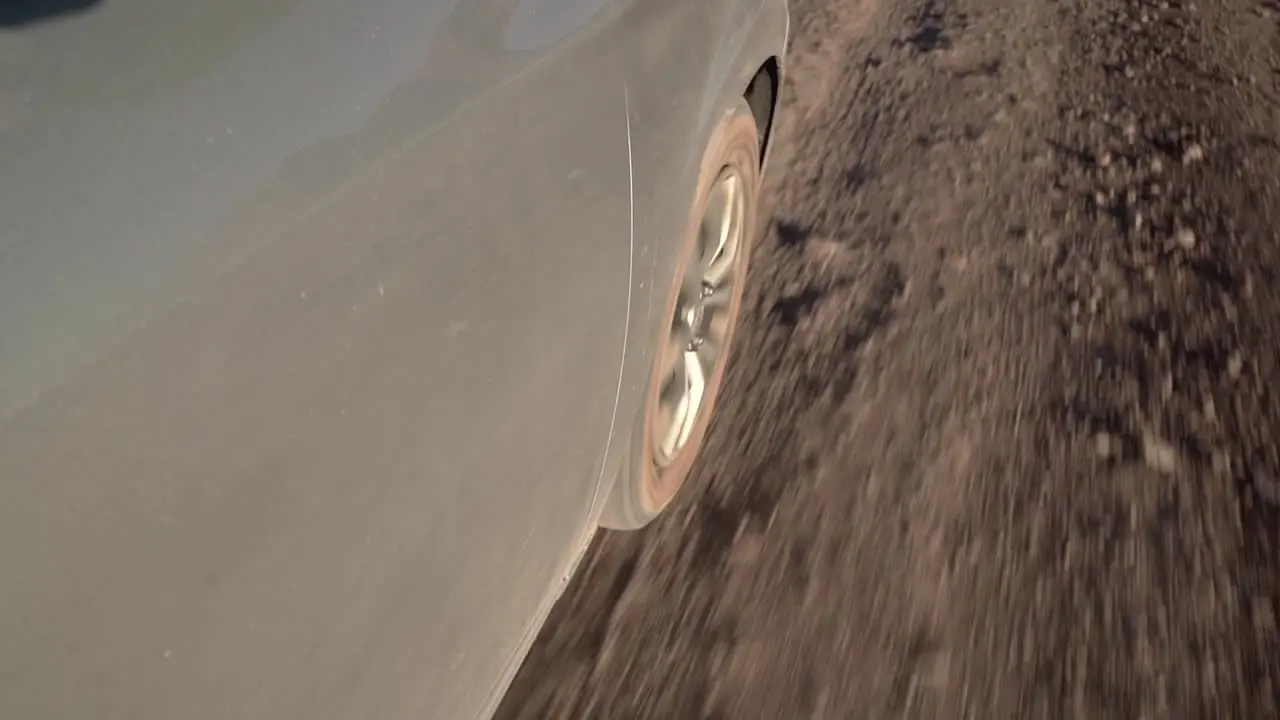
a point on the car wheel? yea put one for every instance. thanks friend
(703, 308)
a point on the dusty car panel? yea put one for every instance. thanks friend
(313, 319)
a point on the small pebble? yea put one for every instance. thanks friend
(1159, 455)
(1235, 365)
(1194, 153)
(1185, 238)
(1104, 445)
(1266, 486)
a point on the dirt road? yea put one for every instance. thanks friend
(1002, 437)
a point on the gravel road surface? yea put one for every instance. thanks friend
(1002, 436)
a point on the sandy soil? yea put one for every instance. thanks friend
(1006, 443)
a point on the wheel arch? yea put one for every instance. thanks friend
(762, 95)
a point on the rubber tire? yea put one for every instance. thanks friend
(641, 491)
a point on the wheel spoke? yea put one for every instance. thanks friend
(721, 218)
(696, 382)
(671, 441)
(719, 264)
(678, 408)
(719, 273)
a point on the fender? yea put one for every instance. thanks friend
(751, 45)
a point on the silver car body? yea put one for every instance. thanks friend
(324, 327)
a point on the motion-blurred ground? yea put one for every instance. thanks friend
(1002, 436)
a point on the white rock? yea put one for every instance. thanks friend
(1159, 455)
(1185, 238)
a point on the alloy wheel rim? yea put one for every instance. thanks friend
(695, 347)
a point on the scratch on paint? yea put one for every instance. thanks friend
(626, 328)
